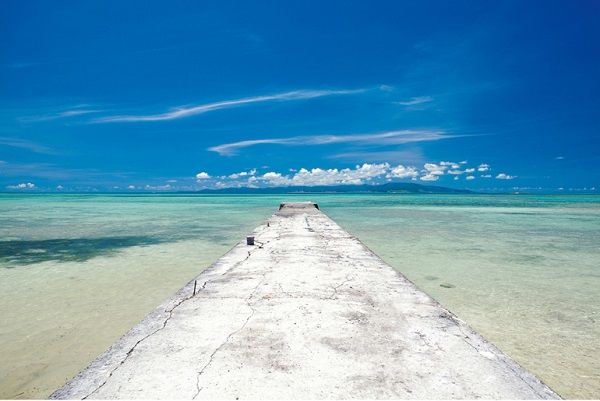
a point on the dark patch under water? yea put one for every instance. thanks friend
(23, 252)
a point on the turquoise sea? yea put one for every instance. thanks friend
(77, 271)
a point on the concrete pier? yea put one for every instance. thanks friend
(306, 312)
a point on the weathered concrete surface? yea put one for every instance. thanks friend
(308, 312)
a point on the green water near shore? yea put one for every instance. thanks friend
(77, 271)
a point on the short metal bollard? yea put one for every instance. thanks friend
(249, 240)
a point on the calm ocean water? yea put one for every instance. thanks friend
(77, 271)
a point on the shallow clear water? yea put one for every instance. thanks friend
(77, 271)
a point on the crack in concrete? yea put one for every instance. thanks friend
(196, 292)
(211, 357)
(325, 240)
(170, 315)
(250, 252)
(230, 335)
(284, 291)
(347, 280)
(130, 351)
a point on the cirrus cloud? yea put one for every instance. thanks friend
(415, 101)
(182, 112)
(377, 138)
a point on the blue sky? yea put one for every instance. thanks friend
(138, 95)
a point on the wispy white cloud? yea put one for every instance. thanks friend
(230, 149)
(71, 113)
(414, 101)
(380, 138)
(76, 111)
(25, 144)
(183, 112)
(386, 88)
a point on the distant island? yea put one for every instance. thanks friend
(391, 187)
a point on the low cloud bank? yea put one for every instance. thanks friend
(23, 185)
(367, 173)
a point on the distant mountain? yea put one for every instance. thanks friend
(391, 187)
